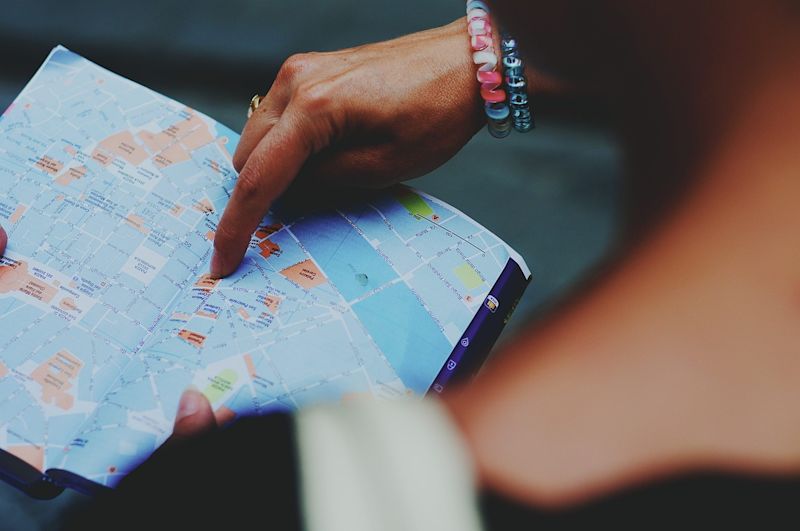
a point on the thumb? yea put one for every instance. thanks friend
(3, 241)
(194, 416)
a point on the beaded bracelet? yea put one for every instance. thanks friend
(517, 85)
(490, 78)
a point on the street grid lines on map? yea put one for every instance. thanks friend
(111, 195)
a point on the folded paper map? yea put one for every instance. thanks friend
(111, 194)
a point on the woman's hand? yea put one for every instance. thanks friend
(368, 116)
(194, 416)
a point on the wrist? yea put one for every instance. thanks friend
(462, 77)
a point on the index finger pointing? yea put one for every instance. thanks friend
(272, 165)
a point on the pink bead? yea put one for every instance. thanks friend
(481, 42)
(492, 96)
(486, 60)
(479, 26)
(492, 77)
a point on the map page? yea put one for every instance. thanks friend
(111, 194)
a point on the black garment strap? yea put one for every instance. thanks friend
(702, 501)
(241, 477)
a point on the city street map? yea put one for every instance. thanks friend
(111, 193)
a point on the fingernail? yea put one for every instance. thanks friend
(216, 266)
(191, 401)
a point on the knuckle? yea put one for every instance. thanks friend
(248, 182)
(295, 65)
(317, 97)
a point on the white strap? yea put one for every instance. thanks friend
(385, 466)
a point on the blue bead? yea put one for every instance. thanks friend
(516, 71)
(477, 4)
(518, 99)
(511, 62)
(516, 82)
(508, 44)
(499, 129)
(497, 111)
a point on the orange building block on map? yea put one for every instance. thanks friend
(193, 338)
(33, 455)
(56, 376)
(268, 248)
(124, 146)
(266, 231)
(206, 283)
(305, 274)
(49, 165)
(15, 277)
(272, 302)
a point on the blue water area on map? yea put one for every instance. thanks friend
(311, 357)
(406, 333)
(401, 256)
(350, 263)
(441, 300)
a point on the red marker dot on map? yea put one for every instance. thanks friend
(112, 469)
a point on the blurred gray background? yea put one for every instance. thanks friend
(552, 194)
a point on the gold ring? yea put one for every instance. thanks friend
(254, 102)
